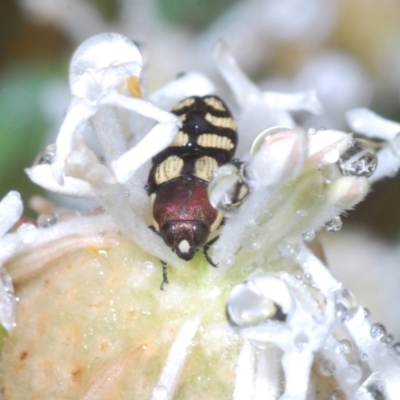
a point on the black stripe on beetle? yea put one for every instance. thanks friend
(178, 180)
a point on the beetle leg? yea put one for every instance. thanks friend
(205, 251)
(164, 274)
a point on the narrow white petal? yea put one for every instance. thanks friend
(176, 358)
(139, 106)
(244, 384)
(42, 175)
(11, 208)
(388, 164)
(307, 101)
(241, 86)
(371, 124)
(190, 84)
(155, 141)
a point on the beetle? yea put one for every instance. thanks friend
(179, 176)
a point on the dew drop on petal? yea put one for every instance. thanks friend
(251, 225)
(308, 236)
(334, 225)
(337, 394)
(327, 367)
(307, 276)
(363, 356)
(229, 187)
(252, 241)
(346, 305)
(395, 145)
(148, 265)
(389, 338)
(352, 374)
(247, 308)
(227, 260)
(311, 131)
(301, 213)
(396, 347)
(345, 346)
(288, 250)
(46, 220)
(358, 160)
(27, 232)
(378, 332)
(330, 173)
(47, 156)
(301, 341)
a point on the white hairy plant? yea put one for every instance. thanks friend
(80, 294)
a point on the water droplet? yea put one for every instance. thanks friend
(334, 225)
(345, 346)
(363, 356)
(301, 213)
(288, 249)
(252, 241)
(227, 260)
(307, 276)
(346, 305)
(301, 341)
(308, 236)
(327, 367)
(352, 374)
(148, 265)
(389, 338)
(358, 160)
(396, 347)
(260, 139)
(127, 193)
(246, 308)
(367, 313)
(395, 145)
(47, 219)
(251, 225)
(229, 187)
(311, 131)
(337, 394)
(378, 332)
(330, 173)
(27, 232)
(46, 156)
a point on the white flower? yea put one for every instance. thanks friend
(298, 181)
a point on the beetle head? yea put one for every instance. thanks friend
(185, 237)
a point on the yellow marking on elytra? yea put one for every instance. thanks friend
(153, 221)
(184, 103)
(216, 224)
(181, 139)
(169, 169)
(182, 117)
(215, 103)
(205, 167)
(134, 86)
(221, 122)
(215, 141)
